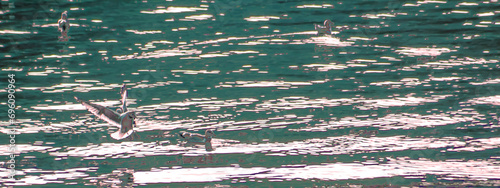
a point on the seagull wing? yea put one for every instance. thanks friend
(101, 112)
(124, 94)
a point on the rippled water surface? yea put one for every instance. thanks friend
(403, 93)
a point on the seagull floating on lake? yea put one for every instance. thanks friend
(194, 138)
(64, 25)
(326, 28)
(122, 118)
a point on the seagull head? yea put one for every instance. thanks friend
(64, 15)
(328, 23)
(209, 133)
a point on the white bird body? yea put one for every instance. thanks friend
(125, 120)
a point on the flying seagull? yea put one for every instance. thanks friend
(124, 119)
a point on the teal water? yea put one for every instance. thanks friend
(404, 94)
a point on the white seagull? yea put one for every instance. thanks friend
(326, 28)
(64, 24)
(122, 118)
(194, 138)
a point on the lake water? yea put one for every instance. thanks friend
(404, 93)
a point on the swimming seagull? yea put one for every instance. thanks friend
(64, 24)
(326, 28)
(122, 118)
(194, 138)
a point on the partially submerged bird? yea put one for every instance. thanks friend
(326, 28)
(194, 138)
(122, 118)
(64, 25)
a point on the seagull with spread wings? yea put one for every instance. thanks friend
(122, 118)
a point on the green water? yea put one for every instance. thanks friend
(404, 94)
